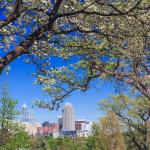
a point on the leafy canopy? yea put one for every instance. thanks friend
(101, 38)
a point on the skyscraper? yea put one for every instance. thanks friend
(68, 118)
(25, 114)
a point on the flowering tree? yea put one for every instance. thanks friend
(105, 38)
(113, 47)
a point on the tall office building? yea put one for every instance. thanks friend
(68, 118)
(25, 113)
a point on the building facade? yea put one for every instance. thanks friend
(48, 129)
(68, 118)
(83, 128)
(60, 122)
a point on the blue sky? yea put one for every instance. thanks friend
(20, 82)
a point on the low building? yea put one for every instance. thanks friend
(46, 123)
(31, 129)
(84, 133)
(48, 129)
(83, 127)
(71, 134)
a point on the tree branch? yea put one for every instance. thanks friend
(116, 13)
(14, 15)
(36, 35)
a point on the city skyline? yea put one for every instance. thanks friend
(66, 125)
(27, 115)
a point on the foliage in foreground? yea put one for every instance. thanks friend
(67, 143)
(107, 134)
(134, 114)
(12, 134)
